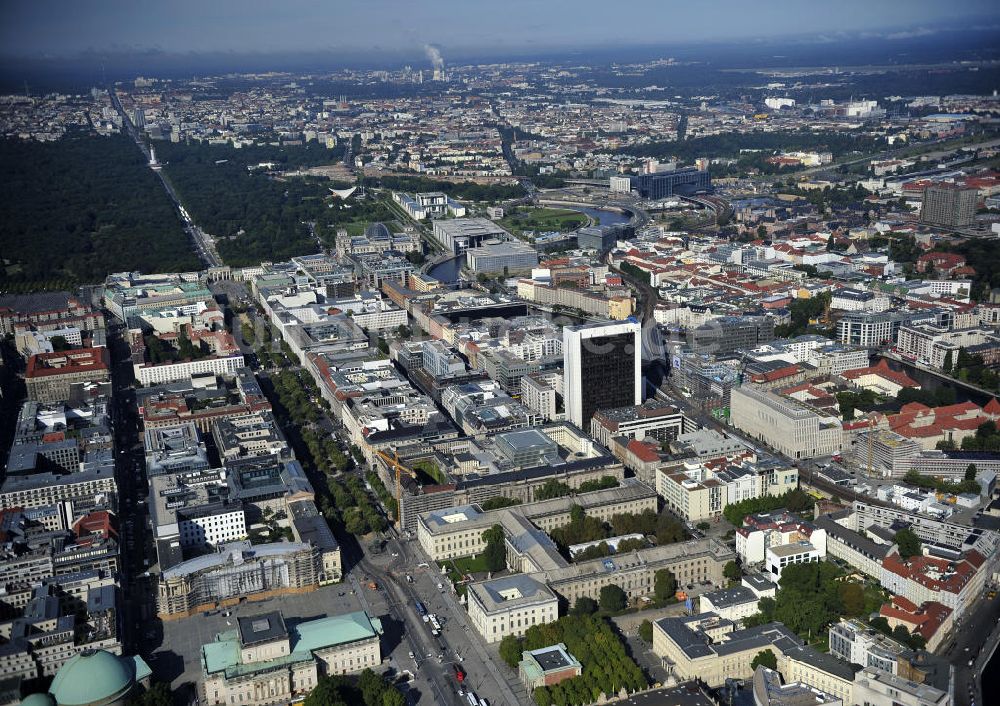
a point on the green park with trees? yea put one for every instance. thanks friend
(368, 689)
(814, 595)
(607, 668)
(80, 208)
(795, 500)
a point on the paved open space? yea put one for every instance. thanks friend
(176, 644)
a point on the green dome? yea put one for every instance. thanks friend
(92, 677)
(37, 700)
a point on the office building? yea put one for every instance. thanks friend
(727, 334)
(653, 419)
(501, 257)
(785, 424)
(620, 184)
(949, 205)
(195, 510)
(441, 361)
(872, 330)
(874, 687)
(778, 558)
(603, 238)
(659, 185)
(461, 234)
(602, 368)
(538, 395)
(853, 641)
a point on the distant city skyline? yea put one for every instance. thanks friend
(47, 29)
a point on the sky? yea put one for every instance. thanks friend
(63, 28)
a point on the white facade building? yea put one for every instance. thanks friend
(175, 372)
(777, 559)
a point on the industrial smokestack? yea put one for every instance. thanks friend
(434, 54)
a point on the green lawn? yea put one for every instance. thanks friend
(458, 568)
(543, 219)
(470, 564)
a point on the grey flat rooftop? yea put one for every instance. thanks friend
(823, 661)
(759, 582)
(791, 549)
(450, 516)
(257, 629)
(509, 591)
(527, 439)
(550, 658)
(726, 597)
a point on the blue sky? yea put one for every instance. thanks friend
(68, 27)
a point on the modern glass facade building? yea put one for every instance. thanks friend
(602, 368)
(660, 185)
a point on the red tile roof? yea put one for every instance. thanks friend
(644, 451)
(65, 362)
(934, 573)
(882, 370)
(772, 375)
(926, 619)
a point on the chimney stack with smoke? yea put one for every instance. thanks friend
(434, 54)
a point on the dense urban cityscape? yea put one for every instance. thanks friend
(661, 377)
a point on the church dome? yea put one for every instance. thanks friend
(92, 678)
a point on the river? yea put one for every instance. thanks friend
(602, 216)
(928, 381)
(449, 270)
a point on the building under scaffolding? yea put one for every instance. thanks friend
(238, 571)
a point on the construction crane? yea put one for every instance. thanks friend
(394, 464)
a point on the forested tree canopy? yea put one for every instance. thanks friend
(80, 208)
(607, 667)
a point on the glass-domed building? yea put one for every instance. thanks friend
(94, 678)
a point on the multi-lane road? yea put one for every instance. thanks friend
(203, 245)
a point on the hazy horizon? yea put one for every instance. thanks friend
(47, 29)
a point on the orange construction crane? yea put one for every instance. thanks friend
(394, 464)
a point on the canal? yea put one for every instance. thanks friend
(928, 381)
